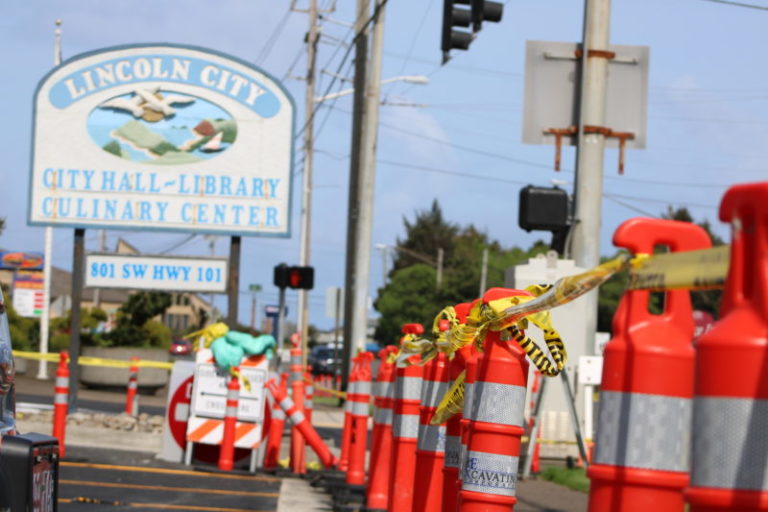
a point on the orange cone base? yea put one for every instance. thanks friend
(701, 499)
(470, 501)
(450, 489)
(402, 476)
(622, 489)
(428, 490)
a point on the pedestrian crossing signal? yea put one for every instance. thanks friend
(298, 278)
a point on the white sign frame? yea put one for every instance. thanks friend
(172, 273)
(161, 174)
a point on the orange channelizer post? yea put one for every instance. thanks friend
(495, 430)
(277, 424)
(644, 417)
(730, 418)
(346, 432)
(377, 493)
(405, 432)
(430, 450)
(470, 375)
(132, 395)
(451, 484)
(300, 421)
(61, 401)
(227, 449)
(298, 465)
(360, 401)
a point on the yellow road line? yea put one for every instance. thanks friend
(167, 471)
(174, 489)
(166, 506)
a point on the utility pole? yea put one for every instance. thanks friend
(309, 142)
(588, 188)
(483, 272)
(45, 318)
(439, 277)
(362, 178)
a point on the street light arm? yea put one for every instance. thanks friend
(411, 79)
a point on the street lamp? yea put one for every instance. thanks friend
(409, 79)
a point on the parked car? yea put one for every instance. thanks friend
(180, 348)
(321, 358)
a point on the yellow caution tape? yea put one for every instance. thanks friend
(238, 375)
(209, 334)
(691, 270)
(95, 361)
(452, 402)
(340, 394)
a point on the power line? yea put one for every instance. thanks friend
(629, 206)
(738, 4)
(267, 48)
(416, 35)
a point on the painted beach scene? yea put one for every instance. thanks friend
(156, 126)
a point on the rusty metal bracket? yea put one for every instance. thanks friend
(603, 54)
(570, 131)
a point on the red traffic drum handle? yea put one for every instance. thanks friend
(641, 236)
(745, 207)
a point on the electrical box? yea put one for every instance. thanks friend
(29, 473)
(543, 208)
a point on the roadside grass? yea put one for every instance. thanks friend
(326, 400)
(575, 478)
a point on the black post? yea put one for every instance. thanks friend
(78, 267)
(233, 284)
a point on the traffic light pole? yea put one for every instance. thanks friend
(588, 188)
(233, 284)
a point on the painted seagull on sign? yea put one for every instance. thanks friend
(148, 104)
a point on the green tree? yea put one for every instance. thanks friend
(135, 327)
(415, 270)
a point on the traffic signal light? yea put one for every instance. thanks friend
(483, 10)
(454, 15)
(299, 278)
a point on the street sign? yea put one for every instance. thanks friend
(162, 137)
(274, 311)
(210, 392)
(28, 297)
(330, 302)
(551, 71)
(156, 273)
(254, 288)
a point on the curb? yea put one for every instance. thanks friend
(90, 437)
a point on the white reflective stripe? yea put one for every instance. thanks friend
(297, 417)
(59, 399)
(308, 404)
(232, 394)
(490, 473)
(437, 392)
(468, 394)
(383, 416)
(62, 382)
(278, 414)
(431, 438)
(390, 390)
(426, 390)
(408, 388)
(360, 408)
(364, 387)
(406, 426)
(351, 390)
(133, 385)
(503, 404)
(231, 411)
(383, 389)
(286, 403)
(295, 376)
(730, 443)
(310, 390)
(644, 431)
(296, 360)
(452, 451)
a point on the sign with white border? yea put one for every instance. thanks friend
(179, 274)
(162, 137)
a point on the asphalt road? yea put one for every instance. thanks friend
(105, 480)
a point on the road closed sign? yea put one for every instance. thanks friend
(210, 392)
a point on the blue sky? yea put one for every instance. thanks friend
(708, 100)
